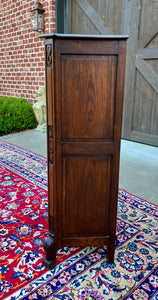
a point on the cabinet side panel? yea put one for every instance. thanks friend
(86, 194)
(88, 96)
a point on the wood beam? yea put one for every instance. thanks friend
(94, 17)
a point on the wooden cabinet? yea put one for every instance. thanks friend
(85, 85)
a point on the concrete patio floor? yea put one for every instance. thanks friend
(138, 163)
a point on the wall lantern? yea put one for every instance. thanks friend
(37, 17)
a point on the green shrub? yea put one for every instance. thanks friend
(16, 114)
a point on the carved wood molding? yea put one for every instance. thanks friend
(50, 145)
(49, 56)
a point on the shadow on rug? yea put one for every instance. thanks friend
(80, 273)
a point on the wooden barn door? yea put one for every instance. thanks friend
(143, 114)
(139, 19)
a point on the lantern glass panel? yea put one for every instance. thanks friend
(34, 20)
(40, 21)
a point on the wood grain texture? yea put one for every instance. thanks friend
(88, 97)
(87, 101)
(99, 147)
(148, 73)
(148, 53)
(140, 110)
(85, 204)
(93, 16)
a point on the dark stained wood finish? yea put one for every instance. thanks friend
(83, 193)
(84, 108)
(90, 113)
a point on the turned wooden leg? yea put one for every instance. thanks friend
(50, 249)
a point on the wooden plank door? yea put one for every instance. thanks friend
(141, 96)
(138, 19)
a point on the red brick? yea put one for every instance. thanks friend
(22, 54)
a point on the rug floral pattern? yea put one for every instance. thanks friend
(80, 273)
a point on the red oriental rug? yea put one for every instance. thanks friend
(80, 273)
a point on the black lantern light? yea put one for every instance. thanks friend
(37, 17)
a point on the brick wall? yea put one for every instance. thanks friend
(22, 62)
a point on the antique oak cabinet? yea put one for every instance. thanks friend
(84, 91)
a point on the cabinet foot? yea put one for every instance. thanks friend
(50, 249)
(49, 264)
(110, 254)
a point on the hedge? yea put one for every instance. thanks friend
(16, 114)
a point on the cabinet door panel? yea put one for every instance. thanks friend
(88, 97)
(86, 194)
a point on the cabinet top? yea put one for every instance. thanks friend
(81, 36)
